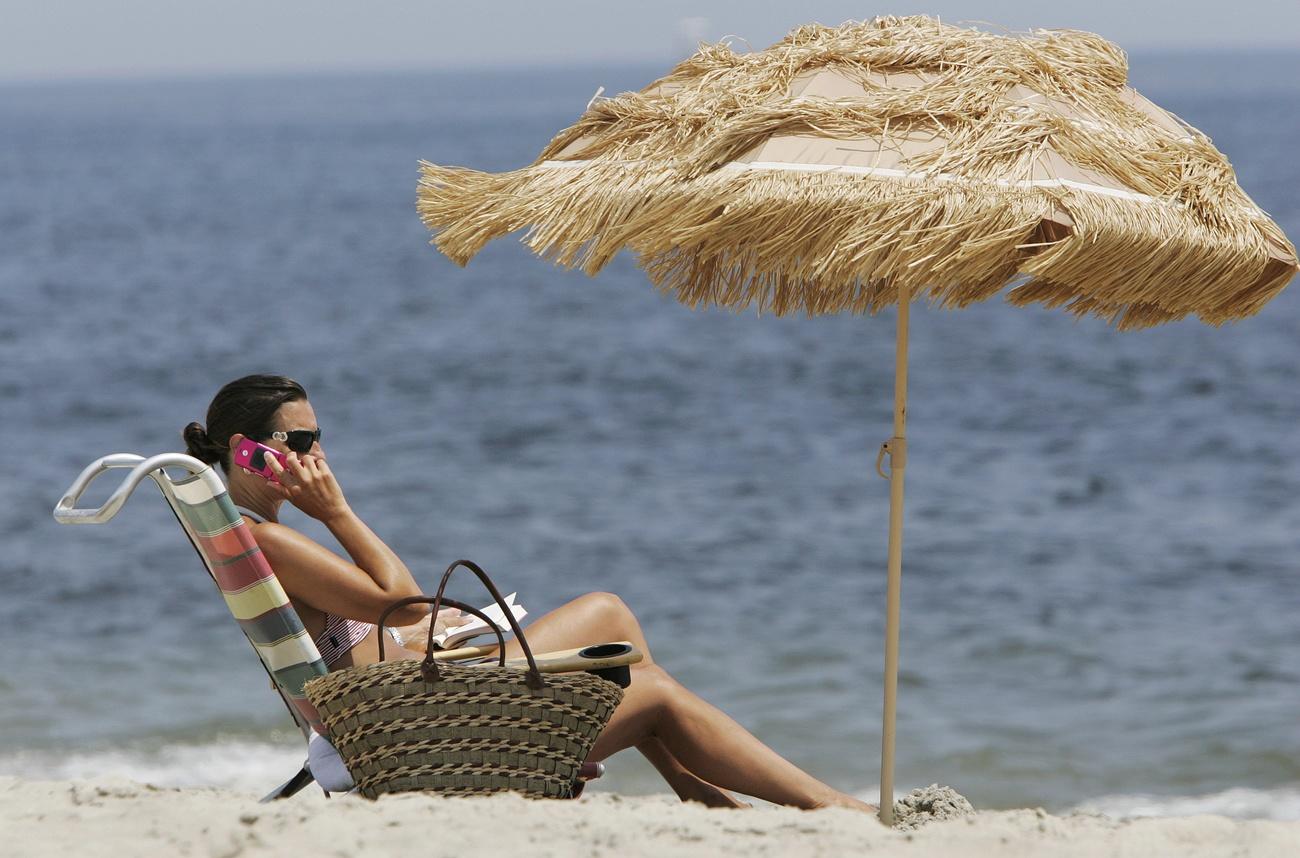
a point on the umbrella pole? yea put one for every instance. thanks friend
(896, 448)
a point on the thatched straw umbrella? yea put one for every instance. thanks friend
(858, 167)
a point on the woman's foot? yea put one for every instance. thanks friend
(840, 799)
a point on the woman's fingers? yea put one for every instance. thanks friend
(289, 475)
(458, 619)
(297, 467)
(316, 466)
(273, 462)
(307, 482)
(277, 479)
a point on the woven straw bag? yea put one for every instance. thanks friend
(409, 725)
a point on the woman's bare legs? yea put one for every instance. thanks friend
(601, 617)
(688, 785)
(698, 748)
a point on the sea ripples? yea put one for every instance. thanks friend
(1102, 529)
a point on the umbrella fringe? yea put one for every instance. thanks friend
(816, 243)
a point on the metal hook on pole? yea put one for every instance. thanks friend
(896, 449)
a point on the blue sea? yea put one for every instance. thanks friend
(1101, 588)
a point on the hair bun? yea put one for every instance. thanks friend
(199, 445)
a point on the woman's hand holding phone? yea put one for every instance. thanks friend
(307, 483)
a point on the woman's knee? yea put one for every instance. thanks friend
(603, 617)
(606, 608)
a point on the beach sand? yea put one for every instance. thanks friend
(117, 818)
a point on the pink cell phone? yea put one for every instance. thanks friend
(251, 456)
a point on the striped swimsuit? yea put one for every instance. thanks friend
(340, 634)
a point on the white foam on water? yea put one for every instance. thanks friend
(1281, 803)
(245, 765)
(256, 766)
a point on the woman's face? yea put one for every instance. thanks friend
(296, 415)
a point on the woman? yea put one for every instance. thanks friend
(700, 751)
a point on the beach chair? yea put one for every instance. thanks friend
(200, 502)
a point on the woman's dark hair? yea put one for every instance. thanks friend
(246, 405)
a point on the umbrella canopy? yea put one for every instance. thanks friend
(842, 164)
(857, 167)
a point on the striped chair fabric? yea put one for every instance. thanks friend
(251, 590)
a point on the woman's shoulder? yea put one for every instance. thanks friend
(287, 549)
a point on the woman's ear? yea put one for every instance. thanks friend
(231, 445)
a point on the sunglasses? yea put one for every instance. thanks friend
(298, 440)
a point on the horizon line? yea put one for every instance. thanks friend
(168, 74)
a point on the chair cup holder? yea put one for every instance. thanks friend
(608, 650)
(620, 676)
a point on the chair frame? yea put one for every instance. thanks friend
(67, 512)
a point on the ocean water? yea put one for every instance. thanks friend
(1102, 556)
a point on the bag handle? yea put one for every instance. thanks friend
(428, 600)
(429, 667)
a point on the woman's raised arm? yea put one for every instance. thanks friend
(359, 590)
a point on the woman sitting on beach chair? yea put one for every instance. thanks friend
(700, 751)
